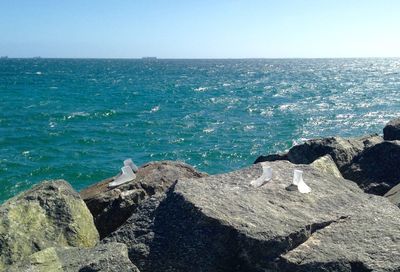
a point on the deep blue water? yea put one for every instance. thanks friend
(78, 119)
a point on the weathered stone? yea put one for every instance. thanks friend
(112, 206)
(341, 150)
(272, 157)
(327, 165)
(391, 131)
(102, 258)
(394, 195)
(50, 214)
(377, 169)
(221, 223)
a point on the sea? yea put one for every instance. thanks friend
(78, 119)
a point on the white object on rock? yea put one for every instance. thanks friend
(265, 177)
(126, 175)
(129, 162)
(299, 182)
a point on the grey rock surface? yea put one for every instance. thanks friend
(377, 169)
(391, 131)
(102, 258)
(394, 195)
(327, 165)
(112, 206)
(340, 149)
(50, 214)
(221, 223)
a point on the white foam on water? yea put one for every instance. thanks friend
(155, 109)
(200, 89)
(208, 130)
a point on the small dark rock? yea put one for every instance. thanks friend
(391, 131)
(272, 157)
(377, 169)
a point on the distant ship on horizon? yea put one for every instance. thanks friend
(4, 57)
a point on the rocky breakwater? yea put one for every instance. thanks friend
(222, 223)
(373, 162)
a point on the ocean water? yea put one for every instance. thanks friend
(78, 119)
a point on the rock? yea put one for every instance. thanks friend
(341, 150)
(394, 195)
(377, 169)
(391, 131)
(112, 206)
(327, 165)
(106, 257)
(221, 223)
(50, 214)
(272, 157)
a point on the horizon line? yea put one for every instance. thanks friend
(154, 58)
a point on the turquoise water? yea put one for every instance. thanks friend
(78, 119)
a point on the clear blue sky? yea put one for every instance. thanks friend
(200, 28)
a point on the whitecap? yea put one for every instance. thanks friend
(248, 127)
(39, 73)
(78, 113)
(155, 109)
(208, 130)
(285, 107)
(200, 89)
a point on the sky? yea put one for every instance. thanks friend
(200, 28)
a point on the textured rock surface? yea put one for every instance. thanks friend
(102, 258)
(272, 157)
(327, 165)
(221, 223)
(392, 130)
(394, 195)
(50, 214)
(111, 207)
(341, 150)
(377, 168)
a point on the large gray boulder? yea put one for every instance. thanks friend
(50, 214)
(103, 258)
(221, 223)
(340, 149)
(391, 131)
(377, 169)
(112, 206)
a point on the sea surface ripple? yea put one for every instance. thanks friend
(77, 119)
